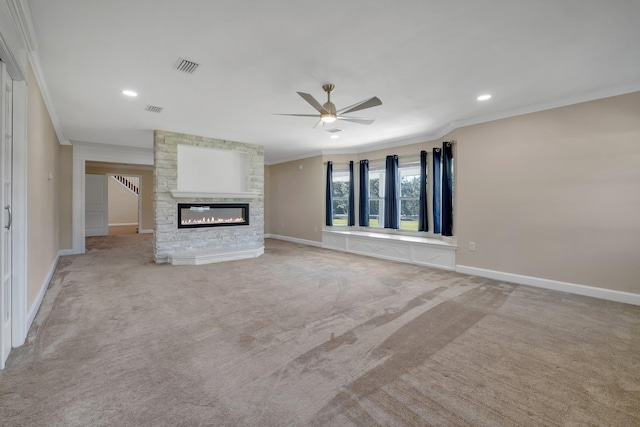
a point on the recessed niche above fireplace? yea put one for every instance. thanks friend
(198, 215)
(211, 173)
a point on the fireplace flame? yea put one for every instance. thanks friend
(203, 215)
(212, 220)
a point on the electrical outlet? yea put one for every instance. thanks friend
(472, 246)
(316, 227)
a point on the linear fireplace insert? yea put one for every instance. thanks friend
(195, 215)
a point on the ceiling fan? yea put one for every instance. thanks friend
(328, 112)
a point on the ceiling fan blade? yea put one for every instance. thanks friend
(318, 125)
(368, 103)
(311, 100)
(297, 115)
(360, 120)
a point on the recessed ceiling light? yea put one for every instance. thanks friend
(334, 136)
(129, 93)
(484, 97)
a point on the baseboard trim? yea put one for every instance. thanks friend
(573, 288)
(293, 240)
(122, 224)
(145, 231)
(43, 289)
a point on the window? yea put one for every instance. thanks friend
(376, 195)
(415, 204)
(340, 208)
(409, 172)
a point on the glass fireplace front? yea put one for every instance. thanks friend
(195, 215)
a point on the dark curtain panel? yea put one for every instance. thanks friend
(363, 213)
(391, 212)
(423, 218)
(436, 191)
(351, 220)
(447, 189)
(328, 213)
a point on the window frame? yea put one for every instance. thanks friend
(340, 173)
(377, 169)
(409, 164)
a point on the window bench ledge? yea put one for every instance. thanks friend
(399, 237)
(410, 249)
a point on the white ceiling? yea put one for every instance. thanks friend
(426, 60)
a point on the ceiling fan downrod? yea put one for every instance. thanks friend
(328, 106)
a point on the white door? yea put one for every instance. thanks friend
(6, 151)
(96, 221)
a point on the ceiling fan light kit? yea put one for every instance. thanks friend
(328, 118)
(328, 112)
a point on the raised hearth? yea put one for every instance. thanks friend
(215, 255)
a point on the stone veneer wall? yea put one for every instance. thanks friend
(167, 237)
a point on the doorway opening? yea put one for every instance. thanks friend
(118, 199)
(124, 203)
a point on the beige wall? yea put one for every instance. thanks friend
(146, 188)
(65, 198)
(296, 197)
(552, 195)
(123, 203)
(43, 196)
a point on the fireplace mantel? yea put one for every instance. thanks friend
(177, 194)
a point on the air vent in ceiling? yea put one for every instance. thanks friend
(153, 109)
(187, 66)
(334, 130)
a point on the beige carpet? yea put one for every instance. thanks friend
(122, 229)
(305, 336)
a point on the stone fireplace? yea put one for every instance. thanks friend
(208, 199)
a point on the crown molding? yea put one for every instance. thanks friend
(34, 60)
(12, 46)
(13, 64)
(21, 14)
(608, 92)
(23, 22)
